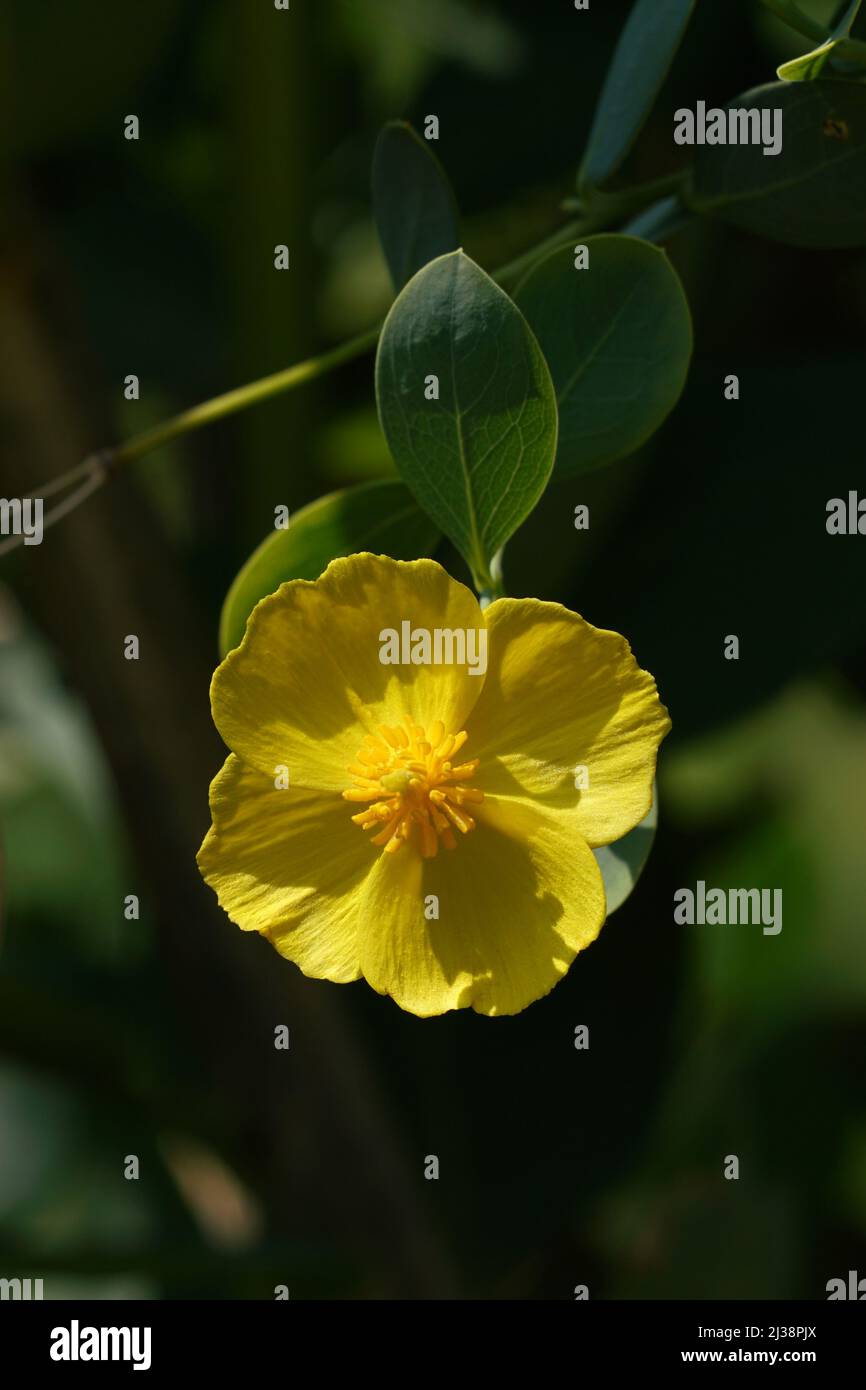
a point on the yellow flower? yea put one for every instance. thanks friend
(431, 837)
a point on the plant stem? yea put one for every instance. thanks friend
(791, 14)
(265, 387)
(493, 586)
(95, 469)
(558, 238)
(242, 396)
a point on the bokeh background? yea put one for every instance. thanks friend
(155, 1037)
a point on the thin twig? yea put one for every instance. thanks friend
(94, 470)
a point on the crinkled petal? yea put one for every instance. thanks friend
(518, 898)
(289, 864)
(560, 695)
(306, 684)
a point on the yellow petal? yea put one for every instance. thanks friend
(561, 695)
(307, 683)
(517, 900)
(288, 864)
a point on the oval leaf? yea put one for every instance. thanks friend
(618, 340)
(413, 204)
(623, 862)
(811, 194)
(377, 516)
(478, 454)
(647, 47)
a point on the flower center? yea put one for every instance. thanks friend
(413, 787)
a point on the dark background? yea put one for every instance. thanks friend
(154, 1037)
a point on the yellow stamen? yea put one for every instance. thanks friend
(415, 793)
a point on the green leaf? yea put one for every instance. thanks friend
(413, 204)
(377, 516)
(623, 862)
(811, 194)
(846, 59)
(478, 457)
(841, 47)
(618, 340)
(647, 47)
(789, 12)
